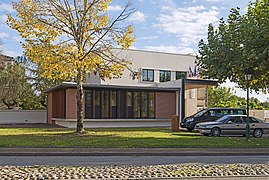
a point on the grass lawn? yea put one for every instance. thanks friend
(118, 137)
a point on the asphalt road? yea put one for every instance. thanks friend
(128, 160)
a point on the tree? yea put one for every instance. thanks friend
(11, 83)
(68, 39)
(224, 97)
(39, 84)
(237, 45)
(15, 90)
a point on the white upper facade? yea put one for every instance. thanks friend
(155, 67)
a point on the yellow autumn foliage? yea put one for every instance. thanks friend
(70, 37)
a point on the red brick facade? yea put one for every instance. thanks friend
(58, 109)
(49, 108)
(63, 104)
(71, 104)
(165, 104)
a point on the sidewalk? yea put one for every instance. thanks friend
(77, 151)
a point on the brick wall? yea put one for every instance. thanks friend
(71, 104)
(165, 104)
(58, 98)
(49, 108)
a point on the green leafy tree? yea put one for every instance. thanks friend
(68, 39)
(237, 45)
(39, 84)
(15, 90)
(13, 87)
(224, 97)
(265, 105)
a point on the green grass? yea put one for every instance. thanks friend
(118, 137)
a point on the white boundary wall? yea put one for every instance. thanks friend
(23, 116)
(99, 123)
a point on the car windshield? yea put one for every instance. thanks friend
(200, 113)
(223, 119)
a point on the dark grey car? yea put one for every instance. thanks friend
(233, 125)
(209, 115)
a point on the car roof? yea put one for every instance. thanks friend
(237, 115)
(227, 108)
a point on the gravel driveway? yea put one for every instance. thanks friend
(134, 172)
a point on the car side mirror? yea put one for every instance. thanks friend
(229, 122)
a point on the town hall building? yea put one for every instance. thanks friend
(168, 85)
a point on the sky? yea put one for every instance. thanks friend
(174, 26)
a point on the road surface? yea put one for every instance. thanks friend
(128, 160)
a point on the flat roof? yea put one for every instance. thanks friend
(199, 83)
(189, 84)
(137, 50)
(71, 85)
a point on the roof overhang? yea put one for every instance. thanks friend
(189, 84)
(198, 83)
(71, 85)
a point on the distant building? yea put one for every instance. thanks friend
(168, 86)
(5, 61)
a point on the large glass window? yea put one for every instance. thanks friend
(165, 76)
(181, 75)
(144, 104)
(114, 104)
(97, 103)
(130, 104)
(148, 75)
(123, 97)
(119, 104)
(137, 105)
(88, 104)
(151, 104)
(106, 108)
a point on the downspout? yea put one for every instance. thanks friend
(206, 97)
(182, 94)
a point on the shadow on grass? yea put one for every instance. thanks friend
(186, 134)
(110, 140)
(123, 129)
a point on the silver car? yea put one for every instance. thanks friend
(233, 125)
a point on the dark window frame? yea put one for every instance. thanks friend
(122, 110)
(141, 104)
(166, 74)
(183, 75)
(147, 78)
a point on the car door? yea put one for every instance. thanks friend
(253, 124)
(209, 116)
(234, 126)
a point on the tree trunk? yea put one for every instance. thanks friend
(80, 94)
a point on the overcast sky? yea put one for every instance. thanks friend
(160, 25)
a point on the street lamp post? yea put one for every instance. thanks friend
(248, 76)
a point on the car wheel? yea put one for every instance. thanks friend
(215, 132)
(189, 129)
(192, 127)
(257, 133)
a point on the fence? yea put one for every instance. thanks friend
(23, 116)
(261, 114)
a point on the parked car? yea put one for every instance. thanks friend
(233, 125)
(209, 114)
